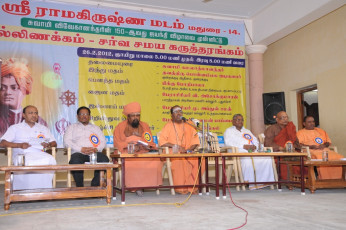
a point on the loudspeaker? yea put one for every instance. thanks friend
(272, 104)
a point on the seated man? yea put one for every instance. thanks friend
(318, 141)
(253, 168)
(279, 134)
(30, 138)
(139, 172)
(84, 139)
(176, 132)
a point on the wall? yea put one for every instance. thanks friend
(315, 54)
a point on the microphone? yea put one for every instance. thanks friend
(195, 121)
(183, 118)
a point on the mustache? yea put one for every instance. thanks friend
(135, 123)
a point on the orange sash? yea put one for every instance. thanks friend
(286, 134)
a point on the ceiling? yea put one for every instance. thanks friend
(266, 20)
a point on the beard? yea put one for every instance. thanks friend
(135, 123)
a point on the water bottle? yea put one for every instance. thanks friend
(325, 156)
(261, 148)
(289, 147)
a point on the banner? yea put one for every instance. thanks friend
(106, 58)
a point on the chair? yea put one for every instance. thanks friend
(269, 149)
(231, 162)
(166, 167)
(10, 162)
(69, 175)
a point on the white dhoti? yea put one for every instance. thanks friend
(37, 179)
(263, 169)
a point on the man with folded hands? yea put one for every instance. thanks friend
(253, 168)
(84, 139)
(318, 141)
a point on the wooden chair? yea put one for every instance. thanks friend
(69, 174)
(166, 167)
(231, 162)
(52, 151)
(269, 149)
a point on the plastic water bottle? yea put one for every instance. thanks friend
(325, 156)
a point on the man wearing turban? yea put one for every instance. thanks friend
(16, 83)
(139, 172)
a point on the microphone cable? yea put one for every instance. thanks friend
(230, 196)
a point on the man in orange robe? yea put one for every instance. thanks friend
(318, 141)
(278, 135)
(177, 132)
(139, 172)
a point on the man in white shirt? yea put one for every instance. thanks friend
(84, 139)
(30, 138)
(254, 168)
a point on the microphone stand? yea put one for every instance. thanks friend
(194, 126)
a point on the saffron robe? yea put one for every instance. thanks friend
(184, 170)
(139, 172)
(318, 136)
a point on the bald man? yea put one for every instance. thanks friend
(279, 134)
(16, 83)
(31, 139)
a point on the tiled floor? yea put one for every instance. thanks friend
(267, 209)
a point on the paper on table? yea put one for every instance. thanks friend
(142, 143)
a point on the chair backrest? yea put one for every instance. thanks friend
(9, 155)
(334, 148)
(307, 150)
(211, 142)
(261, 137)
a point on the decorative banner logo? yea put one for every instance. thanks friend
(40, 136)
(248, 137)
(318, 140)
(147, 137)
(94, 140)
(62, 125)
(68, 98)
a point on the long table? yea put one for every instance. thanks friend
(57, 193)
(200, 156)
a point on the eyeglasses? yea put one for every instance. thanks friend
(238, 119)
(178, 111)
(83, 114)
